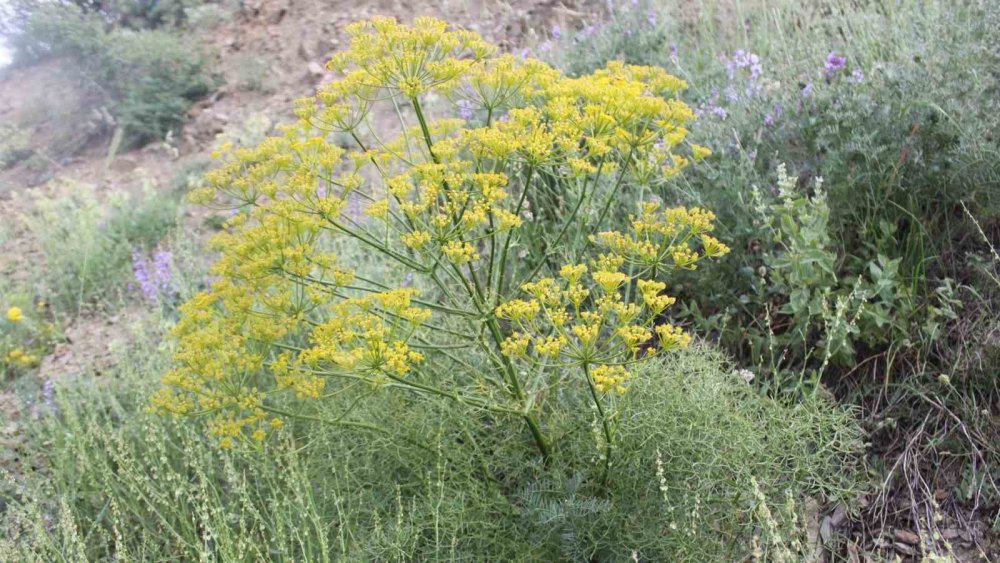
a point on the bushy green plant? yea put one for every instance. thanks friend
(26, 333)
(638, 32)
(703, 461)
(149, 77)
(543, 298)
(895, 160)
(14, 145)
(158, 77)
(87, 247)
(209, 15)
(872, 282)
(132, 14)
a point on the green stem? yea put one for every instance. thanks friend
(478, 300)
(529, 418)
(348, 424)
(604, 423)
(502, 272)
(614, 192)
(423, 128)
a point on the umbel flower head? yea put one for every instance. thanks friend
(460, 204)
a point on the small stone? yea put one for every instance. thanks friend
(275, 17)
(903, 548)
(306, 53)
(906, 536)
(838, 516)
(316, 70)
(951, 533)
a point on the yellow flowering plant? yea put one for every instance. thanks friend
(504, 219)
(25, 337)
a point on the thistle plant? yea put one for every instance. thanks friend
(526, 281)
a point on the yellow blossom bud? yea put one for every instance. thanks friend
(518, 310)
(610, 378)
(460, 252)
(14, 314)
(672, 337)
(609, 281)
(515, 345)
(379, 209)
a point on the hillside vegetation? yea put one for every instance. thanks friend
(527, 281)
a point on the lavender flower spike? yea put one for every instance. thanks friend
(834, 64)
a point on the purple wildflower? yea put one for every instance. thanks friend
(588, 31)
(772, 116)
(144, 276)
(747, 65)
(162, 261)
(720, 112)
(49, 395)
(856, 77)
(525, 52)
(731, 95)
(545, 47)
(651, 17)
(556, 32)
(807, 90)
(153, 274)
(834, 64)
(465, 109)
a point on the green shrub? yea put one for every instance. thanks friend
(872, 282)
(14, 146)
(158, 77)
(897, 126)
(132, 14)
(641, 32)
(27, 333)
(704, 460)
(87, 247)
(150, 78)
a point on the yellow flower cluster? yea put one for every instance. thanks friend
(14, 314)
(20, 358)
(447, 199)
(408, 59)
(365, 335)
(565, 324)
(663, 239)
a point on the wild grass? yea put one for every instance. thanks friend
(103, 479)
(708, 467)
(87, 244)
(893, 105)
